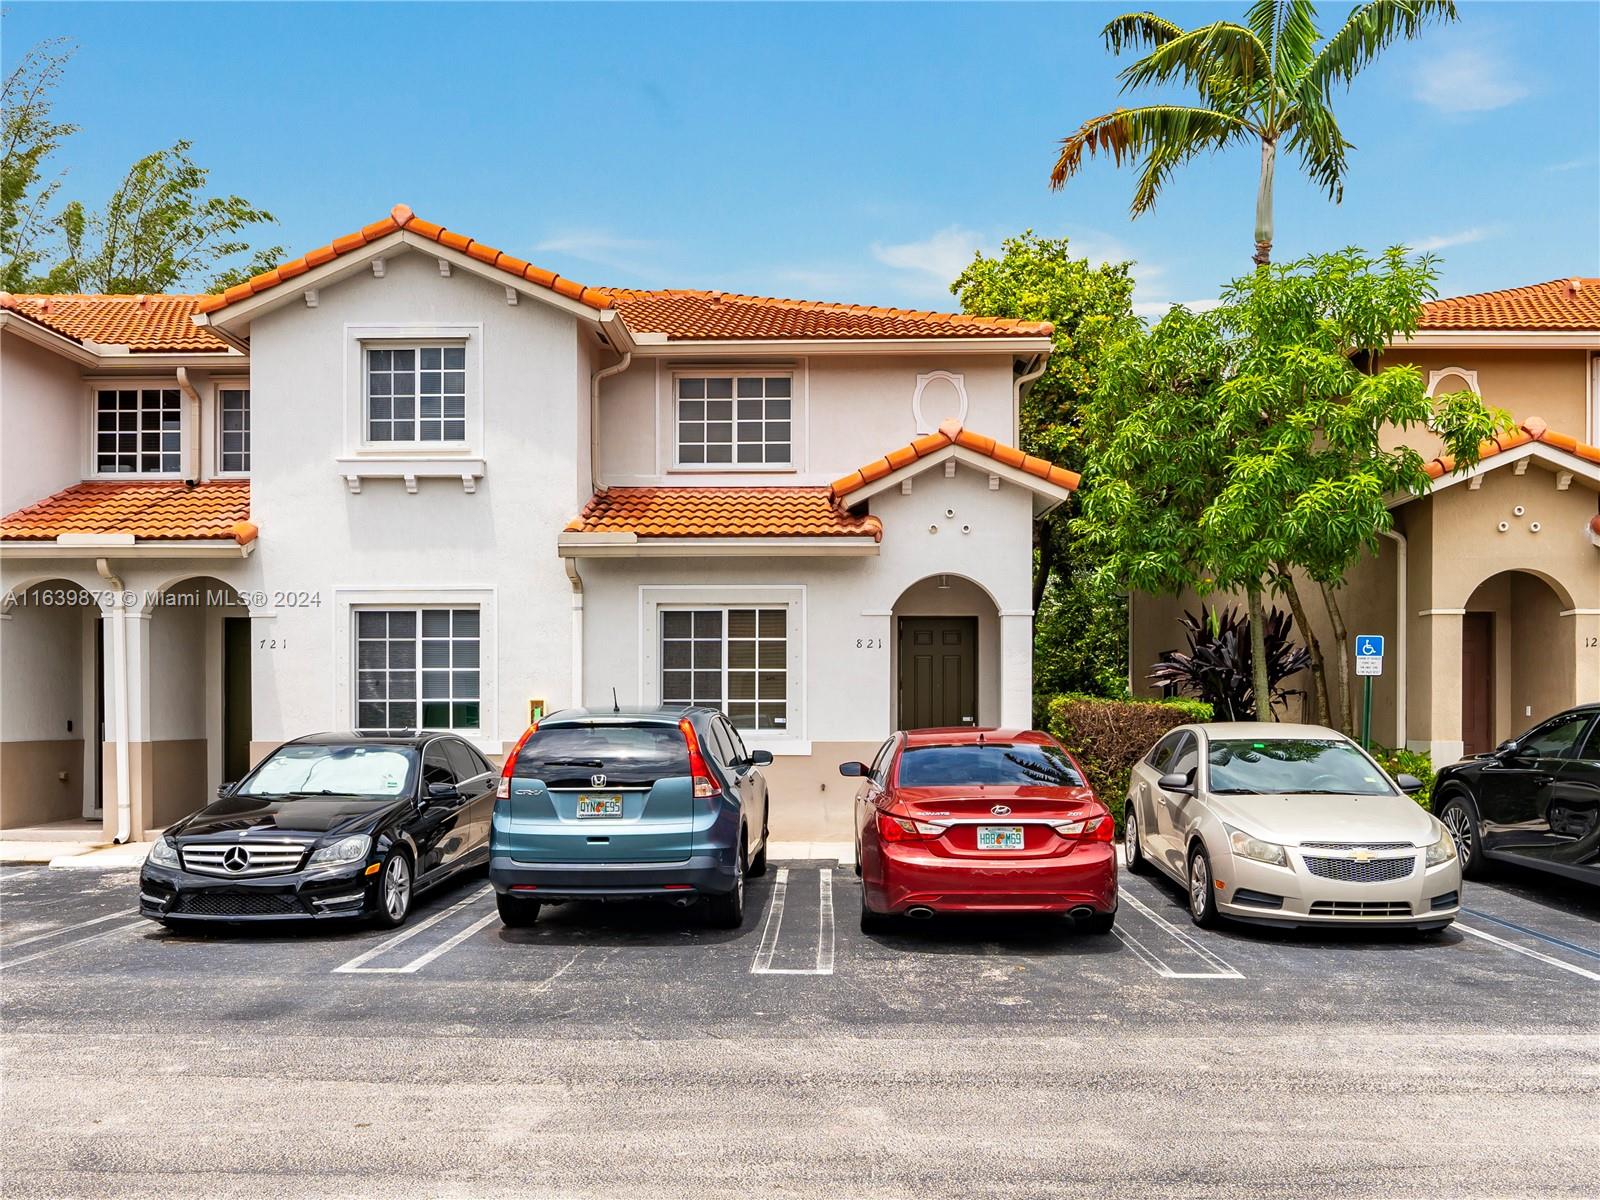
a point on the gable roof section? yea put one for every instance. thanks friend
(1560, 304)
(950, 435)
(1531, 430)
(148, 510)
(141, 324)
(722, 512)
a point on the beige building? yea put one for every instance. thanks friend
(1487, 591)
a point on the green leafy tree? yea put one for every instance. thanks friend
(158, 231)
(31, 135)
(1267, 81)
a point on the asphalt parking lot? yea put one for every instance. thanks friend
(626, 1051)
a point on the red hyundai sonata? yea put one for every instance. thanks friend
(981, 821)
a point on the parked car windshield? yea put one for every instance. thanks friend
(572, 756)
(990, 764)
(1298, 766)
(380, 771)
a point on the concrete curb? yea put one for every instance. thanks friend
(844, 852)
(73, 855)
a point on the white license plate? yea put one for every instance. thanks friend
(599, 806)
(999, 837)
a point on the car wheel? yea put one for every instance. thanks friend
(394, 890)
(1202, 896)
(1132, 852)
(516, 913)
(1460, 817)
(727, 910)
(758, 864)
(1100, 924)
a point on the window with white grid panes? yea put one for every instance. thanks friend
(732, 421)
(417, 394)
(732, 659)
(138, 431)
(418, 668)
(233, 449)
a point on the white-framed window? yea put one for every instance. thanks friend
(138, 431)
(734, 420)
(735, 659)
(416, 395)
(233, 430)
(418, 668)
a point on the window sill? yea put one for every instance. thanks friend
(466, 468)
(732, 469)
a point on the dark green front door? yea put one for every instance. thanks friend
(938, 672)
(235, 698)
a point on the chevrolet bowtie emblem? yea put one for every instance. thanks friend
(1362, 856)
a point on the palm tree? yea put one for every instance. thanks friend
(1266, 80)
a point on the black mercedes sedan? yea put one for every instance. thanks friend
(330, 825)
(1534, 800)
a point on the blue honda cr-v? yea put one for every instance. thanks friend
(659, 803)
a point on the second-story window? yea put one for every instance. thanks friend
(138, 431)
(233, 444)
(417, 394)
(735, 420)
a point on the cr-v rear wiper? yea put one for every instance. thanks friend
(573, 762)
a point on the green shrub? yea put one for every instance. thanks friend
(1109, 736)
(1409, 762)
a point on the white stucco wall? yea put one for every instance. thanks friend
(42, 405)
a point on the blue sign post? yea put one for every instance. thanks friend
(1369, 662)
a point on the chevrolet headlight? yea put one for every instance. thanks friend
(345, 850)
(1441, 851)
(163, 853)
(1255, 849)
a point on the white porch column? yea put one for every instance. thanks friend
(1016, 669)
(1444, 732)
(1586, 648)
(127, 766)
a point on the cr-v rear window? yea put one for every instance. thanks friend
(569, 756)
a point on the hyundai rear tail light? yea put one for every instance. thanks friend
(903, 829)
(1090, 829)
(704, 788)
(502, 789)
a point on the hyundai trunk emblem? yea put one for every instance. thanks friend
(1001, 810)
(597, 780)
(236, 858)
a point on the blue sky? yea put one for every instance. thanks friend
(834, 152)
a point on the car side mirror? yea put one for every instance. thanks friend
(760, 758)
(225, 790)
(853, 770)
(1508, 750)
(1175, 782)
(443, 791)
(1409, 784)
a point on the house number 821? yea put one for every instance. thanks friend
(869, 643)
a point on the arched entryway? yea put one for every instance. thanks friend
(1516, 664)
(946, 632)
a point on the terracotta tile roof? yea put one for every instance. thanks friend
(151, 510)
(718, 512)
(144, 324)
(950, 433)
(1558, 304)
(400, 217)
(684, 315)
(1531, 430)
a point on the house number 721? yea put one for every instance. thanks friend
(274, 643)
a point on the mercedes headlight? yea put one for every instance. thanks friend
(345, 850)
(163, 853)
(1255, 849)
(1443, 850)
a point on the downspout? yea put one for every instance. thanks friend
(119, 691)
(615, 368)
(1402, 666)
(189, 390)
(577, 630)
(1040, 362)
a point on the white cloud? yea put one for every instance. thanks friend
(1442, 241)
(942, 255)
(596, 245)
(1572, 164)
(1154, 310)
(1467, 80)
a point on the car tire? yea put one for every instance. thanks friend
(1100, 924)
(1132, 852)
(515, 912)
(396, 890)
(1460, 816)
(758, 864)
(727, 910)
(1202, 895)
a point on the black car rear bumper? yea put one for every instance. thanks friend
(169, 894)
(712, 874)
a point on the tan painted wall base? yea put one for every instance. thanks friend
(31, 789)
(141, 783)
(810, 800)
(180, 780)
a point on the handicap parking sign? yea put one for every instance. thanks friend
(1369, 654)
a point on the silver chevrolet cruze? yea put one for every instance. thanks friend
(1288, 825)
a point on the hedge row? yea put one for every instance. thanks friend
(1109, 736)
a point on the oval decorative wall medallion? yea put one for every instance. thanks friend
(940, 395)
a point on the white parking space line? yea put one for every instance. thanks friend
(762, 964)
(1534, 954)
(355, 965)
(1223, 970)
(83, 941)
(39, 937)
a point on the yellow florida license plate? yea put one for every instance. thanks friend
(599, 806)
(999, 837)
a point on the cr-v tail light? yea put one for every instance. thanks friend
(502, 789)
(704, 788)
(903, 829)
(1091, 829)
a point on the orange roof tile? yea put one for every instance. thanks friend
(1531, 430)
(151, 510)
(951, 433)
(685, 315)
(144, 324)
(719, 512)
(1559, 304)
(400, 217)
